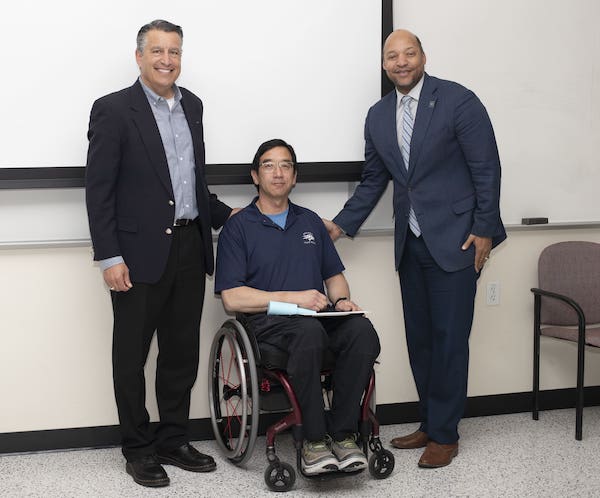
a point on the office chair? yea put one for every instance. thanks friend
(567, 300)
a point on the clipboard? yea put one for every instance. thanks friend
(289, 309)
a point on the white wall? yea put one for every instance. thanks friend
(535, 65)
(55, 331)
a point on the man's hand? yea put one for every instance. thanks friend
(117, 278)
(483, 246)
(310, 299)
(334, 231)
(347, 305)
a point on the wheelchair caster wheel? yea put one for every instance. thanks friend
(381, 464)
(280, 476)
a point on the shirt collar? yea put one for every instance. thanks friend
(415, 92)
(154, 98)
(292, 209)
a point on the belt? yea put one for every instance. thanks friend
(183, 222)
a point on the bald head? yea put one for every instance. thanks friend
(405, 35)
(403, 59)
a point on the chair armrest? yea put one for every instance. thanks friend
(565, 299)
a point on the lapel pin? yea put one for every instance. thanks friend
(431, 104)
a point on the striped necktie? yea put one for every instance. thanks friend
(405, 136)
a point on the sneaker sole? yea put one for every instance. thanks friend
(320, 468)
(353, 464)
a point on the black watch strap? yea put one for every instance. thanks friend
(338, 300)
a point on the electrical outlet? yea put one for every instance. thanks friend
(493, 293)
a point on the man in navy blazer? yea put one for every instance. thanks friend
(447, 220)
(150, 215)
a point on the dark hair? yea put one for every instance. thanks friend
(267, 146)
(161, 25)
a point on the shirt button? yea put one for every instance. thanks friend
(171, 203)
(168, 231)
(181, 158)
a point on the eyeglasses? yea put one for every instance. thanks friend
(285, 165)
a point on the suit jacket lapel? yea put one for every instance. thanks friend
(146, 124)
(390, 131)
(425, 109)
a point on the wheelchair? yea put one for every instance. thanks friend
(247, 384)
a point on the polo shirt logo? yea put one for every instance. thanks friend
(308, 238)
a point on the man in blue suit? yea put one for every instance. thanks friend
(434, 140)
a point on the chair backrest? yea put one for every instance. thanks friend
(572, 269)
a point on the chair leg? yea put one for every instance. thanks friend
(536, 359)
(580, 393)
(535, 412)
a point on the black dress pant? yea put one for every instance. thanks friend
(355, 345)
(172, 307)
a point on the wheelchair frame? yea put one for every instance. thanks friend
(235, 365)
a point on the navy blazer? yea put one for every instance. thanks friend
(453, 179)
(129, 196)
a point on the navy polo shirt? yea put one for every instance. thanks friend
(255, 252)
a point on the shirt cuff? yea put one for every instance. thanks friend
(105, 264)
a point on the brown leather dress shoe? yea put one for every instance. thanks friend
(438, 455)
(417, 439)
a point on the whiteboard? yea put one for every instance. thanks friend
(535, 64)
(305, 71)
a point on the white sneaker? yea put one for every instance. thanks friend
(350, 457)
(317, 457)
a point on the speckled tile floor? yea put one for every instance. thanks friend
(500, 456)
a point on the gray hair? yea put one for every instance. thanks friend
(159, 24)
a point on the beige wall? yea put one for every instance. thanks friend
(55, 331)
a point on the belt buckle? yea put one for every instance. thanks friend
(182, 222)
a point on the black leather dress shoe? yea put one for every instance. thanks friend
(187, 457)
(147, 472)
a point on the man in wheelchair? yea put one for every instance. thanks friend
(274, 250)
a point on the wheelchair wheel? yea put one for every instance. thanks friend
(381, 464)
(280, 476)
(233, 392)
